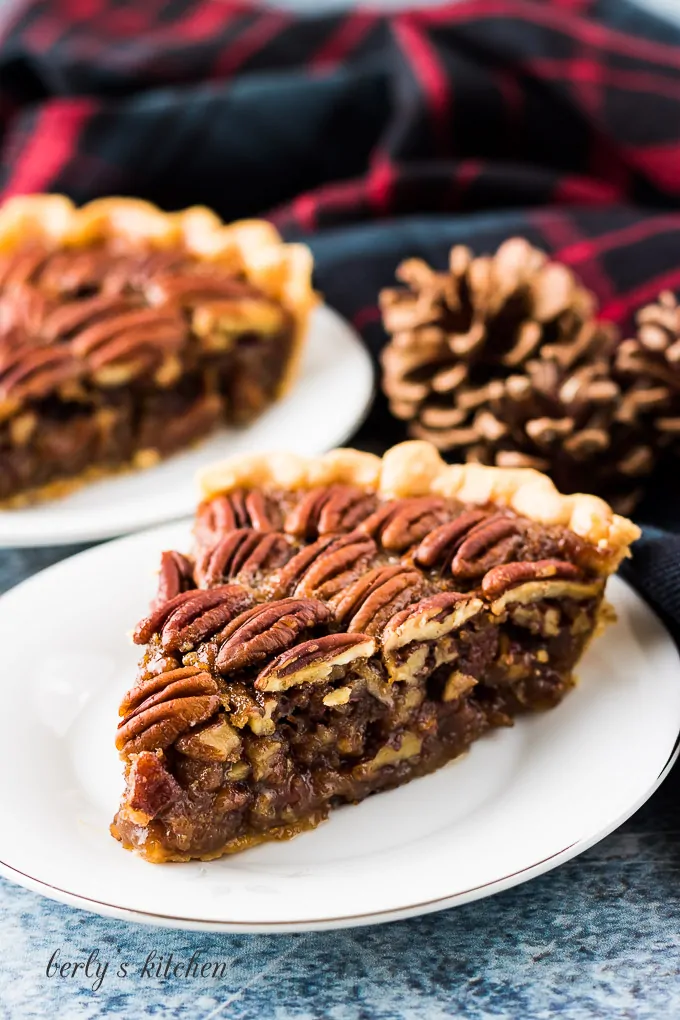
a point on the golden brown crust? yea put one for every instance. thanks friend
(282, 271)
(415, 469)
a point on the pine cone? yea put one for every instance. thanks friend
(500, 361)
(649, 366)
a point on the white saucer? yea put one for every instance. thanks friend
(521, 802)
(328, 402)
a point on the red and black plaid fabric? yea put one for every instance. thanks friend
(374, 137)
(320, 122)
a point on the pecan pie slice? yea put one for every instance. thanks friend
(127, 333)
(342, 625)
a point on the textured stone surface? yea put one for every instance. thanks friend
(597, 938)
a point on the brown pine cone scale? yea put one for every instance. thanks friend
(499, 360)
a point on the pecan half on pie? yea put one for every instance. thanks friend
(342, 625)
(127, 333)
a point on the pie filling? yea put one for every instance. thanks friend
(320, 646)
(113, 357)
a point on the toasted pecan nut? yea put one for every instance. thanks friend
(457, 684)
(267, 630)
(22, 428)
(153, 623)
(121, 346)
(69, 318)
(303, 520)
(371, 601)
(485, 535)
(245, 553)
(508, 575)
(409, 746)
(329, 509)
(286, 579)
(160, 726)
(220, 322)
(550, 588)
(99, 336)
(347, 603)
(150, 788)
(345, 509)
(214, 518)
(236, 509)
(338, 696)
(437, 548)
(196, 283)
(313, 662)
(262, 513)
(33, 372)
(215, 741)
(19, 267)
(158, 711)
(338, 564)
(158, 687)
(487, 544)
(384, 601)
(203, 616)
(22, 309)
(422, 637)
(67, 272)
(430, 619)
(192, 616)
(245, 710)
(175, 576)
(401, 523)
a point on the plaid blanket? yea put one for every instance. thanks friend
(375, 137)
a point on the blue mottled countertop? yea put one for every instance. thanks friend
(597, 938)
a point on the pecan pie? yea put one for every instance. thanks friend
(342, 625)
(127, 333)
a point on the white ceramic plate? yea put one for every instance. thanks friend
(521, 802)
(326, 405)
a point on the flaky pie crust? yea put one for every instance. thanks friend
(254, 247)
(416, 469)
